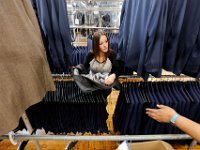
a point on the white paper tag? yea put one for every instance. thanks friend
(96, 12)
(76, 21)
(124, 146)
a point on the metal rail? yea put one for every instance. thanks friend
(93, 27)
(100, 137)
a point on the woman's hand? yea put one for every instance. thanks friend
(162, 114)
(110, 79)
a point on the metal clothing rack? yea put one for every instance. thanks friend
(130, 138)
(78, 42)
(76, 138)
(169, 78)
(100, 137)
(93, 27)
(125, 78)
(30, 130)
(136, 78)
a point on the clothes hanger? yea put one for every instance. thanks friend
(143, 98)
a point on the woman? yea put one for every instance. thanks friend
(100, 69)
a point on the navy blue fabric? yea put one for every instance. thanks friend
(158, 34)
(131, 126)
(192, 67)
(117, 116)
(141, 37)
(79, 54)
(130, 118)
(152, 56)
(194, 91)
(150, 124)
(69, 110)
(53, 20)
(175, 17)
(188, 36)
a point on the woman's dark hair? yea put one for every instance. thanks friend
(95, 42)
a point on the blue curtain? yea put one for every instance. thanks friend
(175, 17)
(53, 20)
(156, 35)
(142, 33)
(188, 55)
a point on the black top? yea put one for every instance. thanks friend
(112, 56)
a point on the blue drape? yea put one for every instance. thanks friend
(175, 17)
(156, 35)
(53, 20)
(69, 110)
(188, 54)
(142, 33)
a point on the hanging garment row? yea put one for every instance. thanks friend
(130, 117)
(158, 34)
(55, 30)
(92, 13)
(25, 74)
(69, 110)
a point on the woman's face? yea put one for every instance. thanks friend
(103, 44)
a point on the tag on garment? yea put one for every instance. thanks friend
(76, 21)
(124, 146)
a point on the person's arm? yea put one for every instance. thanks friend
(115, 69)
(110, 80)
(87, 60)
(165, 114)
(115, 64)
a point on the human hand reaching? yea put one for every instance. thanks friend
(161, 114)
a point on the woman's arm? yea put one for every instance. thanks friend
(110, 80)
(88, 58)
(188, 126)
(115, 64)
(165, 114)
(115, 69)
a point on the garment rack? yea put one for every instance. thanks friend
(138, 78)
(132, 78)
(103, 138)
(100, 137)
